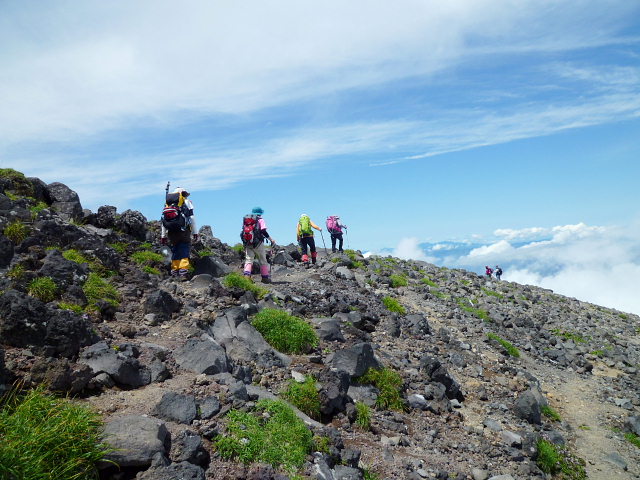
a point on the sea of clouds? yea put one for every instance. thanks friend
(596, 264)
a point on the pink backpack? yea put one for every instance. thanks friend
(332, 224)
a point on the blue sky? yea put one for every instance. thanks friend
(422, 120)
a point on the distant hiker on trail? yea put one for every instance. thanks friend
(498, 272)
(305, 238)
(334, 227)
(488, 271)
(253, 235)
(178, 224)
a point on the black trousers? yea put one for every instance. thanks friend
(334, 237)
(307, 242)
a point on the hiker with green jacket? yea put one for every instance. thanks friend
(305, 238)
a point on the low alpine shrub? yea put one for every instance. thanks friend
(363, 416)
(284, 332)
(236, 280)
(16, 231)
(557, 460)
(44, 437)
(43, 288)
(429, 282)
(398, 281)
(478, 312)
(304, 395)
(389, 382)
(146, 257)
(73, 307)
(276, 437)
(632, 438)
(96, 289)
(550, 413)
(393, 305)
(508, 346)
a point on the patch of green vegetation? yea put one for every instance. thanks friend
(550, 413)
(277, 437)
(238, 247)
(21, 184)
(44, 437)
(478, 312)
(508, 346)
(369, 475)
(623, 316)
(398, 280)
(236, 280)
(304, 396)
(559, 462)
(576, 337)
(492, 293)
(389, 383)
(597, 353)
(465, 282)
(37, 208)
(429, 282)
(151, 270)
(43, 288)
(145, 246)
(94, 264)
(16, 272)
(73, 307)
(335, 259)
(75, 256)
(146, 257)
(98, 289)
(321, 444)
(284, 332)
(363, 416)
(206, 252)
(632, 438)
(16, 231)
(393, 305)
(357, 264)
(439, 294)
(352, 254)
(120, 247)
(584, 427)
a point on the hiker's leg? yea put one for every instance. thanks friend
(340, 240)
(304, 242)
(333, 242)
(249, 255)
(312, 247)
(261, 253)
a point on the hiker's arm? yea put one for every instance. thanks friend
(315, 226)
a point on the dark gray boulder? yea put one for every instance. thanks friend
(64, 201)
(6, 251)
(124, 370)
(208, 407)
(333, 393)
(162, 304)
(527, 406)
(135, 440)
(63, 272)
(132, 223)
(416, 324)
(59, 375)
(438, 373)
(172, 471)
(342, 472)
(105, 217)
(187, 446)
(437, 400)
(355, 360)
(202, 356)
(329, 330)
(212, 266)
(175, 407)
(632, 424)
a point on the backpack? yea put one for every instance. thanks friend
(332, 224)
(251, 235)
(175, 213)
(305, 226)
(499, 272)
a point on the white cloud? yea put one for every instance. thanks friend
(409, 249)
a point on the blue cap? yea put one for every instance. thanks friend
(257, 211)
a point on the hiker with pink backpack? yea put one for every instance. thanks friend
(334, 227)
(253, 235)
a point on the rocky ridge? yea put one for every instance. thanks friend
(164, 361)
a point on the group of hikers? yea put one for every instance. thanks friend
(178, 229)
(489, 272)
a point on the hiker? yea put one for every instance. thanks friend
(498, 272)
(305, 238)
(253, 235)
(178, 224)
(488, 271)
(334, 227)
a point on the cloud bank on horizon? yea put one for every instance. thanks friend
(596, 264)
(238, 91)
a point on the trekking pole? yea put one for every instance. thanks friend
(166, 190)
(325, 245)
(346, 232)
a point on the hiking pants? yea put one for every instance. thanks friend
(250, 253)
(311, 243)
(180, 251)
(334, 237)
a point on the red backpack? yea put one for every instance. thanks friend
(251, 235)
(332, 224)
(175, 213)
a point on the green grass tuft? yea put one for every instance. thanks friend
(73, 307)
(363, 416)
(276, 437)
(44, 437)
(429, 282)
(151, 270)
(120, 247)
(508, 346)
(478, 312)
(206, 252)
(97, 289)
(576, 337)
(75, 256)
(16, 231)
(393, 305)
(16, 272)
(236, 280)
(238, 247)
(632, 438)
(550, 413)
(398, 281)
(43, 288)
(492, 293)
(556, 460)
(146, 257)
(304, 396)
(389, 383)
(284, 332)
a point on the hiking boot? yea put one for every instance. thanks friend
(266, 280)
(174, 273)
(183, 272)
